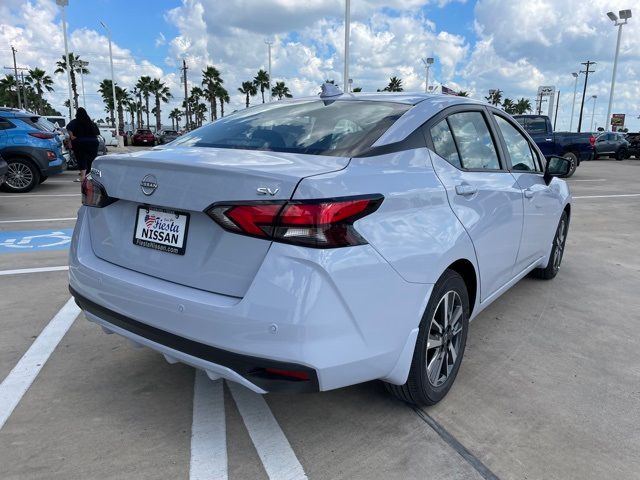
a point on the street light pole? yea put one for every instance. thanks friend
(427, 65)
(347, 31)
(593, 112)
(269, 43)
(624, 15)
(83, 64)
(573, 105)
(62, 4)
(113, 89)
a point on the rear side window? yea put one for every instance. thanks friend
(6, 124)
(517, 146)
(321, 127)
(473, 139)
(444, 145)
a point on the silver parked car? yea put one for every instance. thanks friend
(311, 244)
(166, 136)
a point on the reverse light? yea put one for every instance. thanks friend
(94, 194)
(51, 155)
(325, 223)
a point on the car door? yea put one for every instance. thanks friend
(482, 193)
(542, 205)
(539, 129)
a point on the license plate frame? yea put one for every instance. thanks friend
(154, 244)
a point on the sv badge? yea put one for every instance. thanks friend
(267, 191)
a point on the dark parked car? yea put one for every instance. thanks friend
(612, 144)
(167, 136)
(577, 147)
(144, 136)
(634, 144)
(3, 169)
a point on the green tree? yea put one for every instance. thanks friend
(211, 80)
(8, 92)
(175, 115)
(76, 65)
(106, 92)
(357, 90)
(40, 81)
(143, 85)
(248, 89)
(462, 93)
(162, 94)
(223, 97)
(261, 81)
(281, 91)
(395, 85)
(523, 106)
(494, 97)
(508, 106)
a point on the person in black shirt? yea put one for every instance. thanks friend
(84, 140)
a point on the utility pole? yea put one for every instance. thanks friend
(555, 117)
(15, 69)
(573, 105)
(347, 31)
(586, 72)
(24, 91)
(186, 95)
(269, 43)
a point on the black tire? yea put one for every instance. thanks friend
(420, 388)
(573, 158)
(557, 251)
(22, 176)
(621, 154)
(43, 179)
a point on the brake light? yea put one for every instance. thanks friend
(51, 155)
(310, 223)
(42, 135)
(592, 140)
(291, 374)
(94, 194)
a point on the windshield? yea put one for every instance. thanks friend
(340, 128)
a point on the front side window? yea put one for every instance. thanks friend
(340, 128)
(517, 146)
(537, 125)
(473, 139)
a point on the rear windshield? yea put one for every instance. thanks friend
(340, 128)
(143, 131)
(40, 123)
(170, 132)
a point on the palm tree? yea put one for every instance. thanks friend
(76, 66)
(194, 102)
(143, 86)
(211, 80)
(199, 110)
(39, 79)
(175, 115)
(261, 80)
(281, 91)
(462, 93)
(248, 88)
(356, 90)
(106, 92)
(508, 106)
(223, 96)
(122, 99)
(523, 106)
(395, 85)
(8, 93)
(494, 97)
(132, 107)
(162, 94)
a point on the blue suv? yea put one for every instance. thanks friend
(32, 149)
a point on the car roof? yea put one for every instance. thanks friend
(9, 112)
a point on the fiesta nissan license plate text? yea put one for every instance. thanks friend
(161, 229)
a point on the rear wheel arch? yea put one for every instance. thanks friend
(467, 271)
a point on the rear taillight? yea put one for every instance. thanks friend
(51, 155)
(42, 135)
(592, 140)
(94, 194)
(310, 223)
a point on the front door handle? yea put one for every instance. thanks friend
(528, 193)
(549, 139)
(466, 189)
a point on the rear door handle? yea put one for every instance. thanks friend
(528, 193)
(549, 139)
(466, 190)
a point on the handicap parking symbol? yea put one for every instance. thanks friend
(35, 240)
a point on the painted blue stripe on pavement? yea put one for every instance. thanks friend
(35, 240)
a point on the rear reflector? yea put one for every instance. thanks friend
(292, 374)
(310, 223)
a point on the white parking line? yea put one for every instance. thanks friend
(24, 373)
(42, 195)
(592, 180)
(20, 271)
(40, 220)
(609, 196)
(275, 452)
(208, 432)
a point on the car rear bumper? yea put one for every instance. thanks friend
(342, 317)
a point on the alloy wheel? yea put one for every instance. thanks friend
(19, 175)
(443, 342)
(561, 236)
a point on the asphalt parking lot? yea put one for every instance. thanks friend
(549, 387)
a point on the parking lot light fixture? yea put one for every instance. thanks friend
(427, 65)
(113, 88)
(593, 111)
(625, 15)
(62, 4)
(573, 105)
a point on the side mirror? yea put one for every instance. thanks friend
(556, 167)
